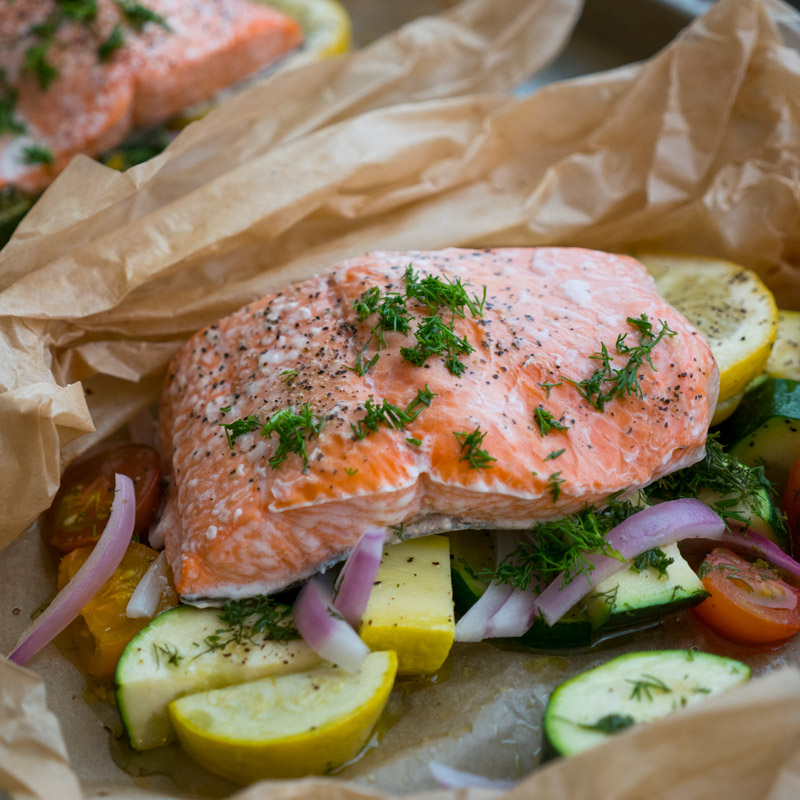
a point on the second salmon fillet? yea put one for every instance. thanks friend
(519, 436)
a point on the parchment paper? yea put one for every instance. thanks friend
(410, 143)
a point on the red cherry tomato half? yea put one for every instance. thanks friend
(748, 602)
(83, 502)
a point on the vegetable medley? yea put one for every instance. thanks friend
(329, 654)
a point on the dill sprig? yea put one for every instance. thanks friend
(36, 61)
(562, 546)
(471, 449)
(362, 367)
(114, 41)
(736, 485)
(656, 559)
(391, 415)
(37, 154)
(168, 652)
(260, 615)
(8, 107)
(644, 687)
(138, 15)
(608, 382)
(435, 292)
(611, 723)
(546, 422)
(554, 482)
(434, 337)
(292, 428)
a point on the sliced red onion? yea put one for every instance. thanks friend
(325, 630)
(750, 543)
(658, 525)
(88, 580)
(451, 778)
(147, 594)
(354, 585)
(501, 608)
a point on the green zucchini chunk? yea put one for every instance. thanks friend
(631, 689)
(765, 429)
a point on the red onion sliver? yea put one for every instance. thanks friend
(451, 778)
(652, 527)
(750, 543)
(324, 629)
(88, 580)
(147, 594)
(357, 577)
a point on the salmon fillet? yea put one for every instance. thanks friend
(234, 526)
(92, 106)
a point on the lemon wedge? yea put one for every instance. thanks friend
(729, 305)
(285, 726)
(327, 30)
(784, 360)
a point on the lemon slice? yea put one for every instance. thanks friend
(728, 304)
(285, 726)
(784, 360)
(327, 30)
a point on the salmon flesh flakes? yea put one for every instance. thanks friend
(376, 394)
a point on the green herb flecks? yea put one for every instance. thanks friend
(611, 723)
(169, 653)
(471, 451)
(391, 415)
(435, 293)
(289, 375)
(114, 41)
(435, 337)
(608, 382)
(362, 367)
(37, 154)
(554, 482)
(350, 471)
(546, 422)
(258, 616)
(737, 490)
(37, 62)
(652, 559)
(8, 108)
(555, 454)
(78, 10)
(548, 387)
(292, 429)
(138, 15)
(562, 546)
(239, 427)
(644, 687)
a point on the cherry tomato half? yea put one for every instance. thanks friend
(748, 602)
(82, 505)
(103, 628)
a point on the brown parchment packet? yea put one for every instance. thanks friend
(393, 147)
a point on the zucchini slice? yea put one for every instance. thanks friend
(631, 689)
(765, 430)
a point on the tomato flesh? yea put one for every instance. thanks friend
(748, 603)
(103, 629)
(82, 505)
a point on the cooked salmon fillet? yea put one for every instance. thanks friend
(92, 105)
(235, 526)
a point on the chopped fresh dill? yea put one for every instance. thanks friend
(655, 559)
(288, 374)
(399, 531)
(37, 154)
(362, 367)
(555, 454)
(414, 441)
(737, 489)
(608, 382)
(471, 449)
(115, 40)
(238, 427)
(548, 387)
(36, 61)
(435, 292)
(78, 10)
(546, 422)
(391, 415)
(138, 15)
(554, 482)
(292, 429)
(645, 686)
(435, 337)
(168, 652)
(262, 615)
(562, 546)
(611, 723)
(368, 303)
(8, 107)
(351, 471)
